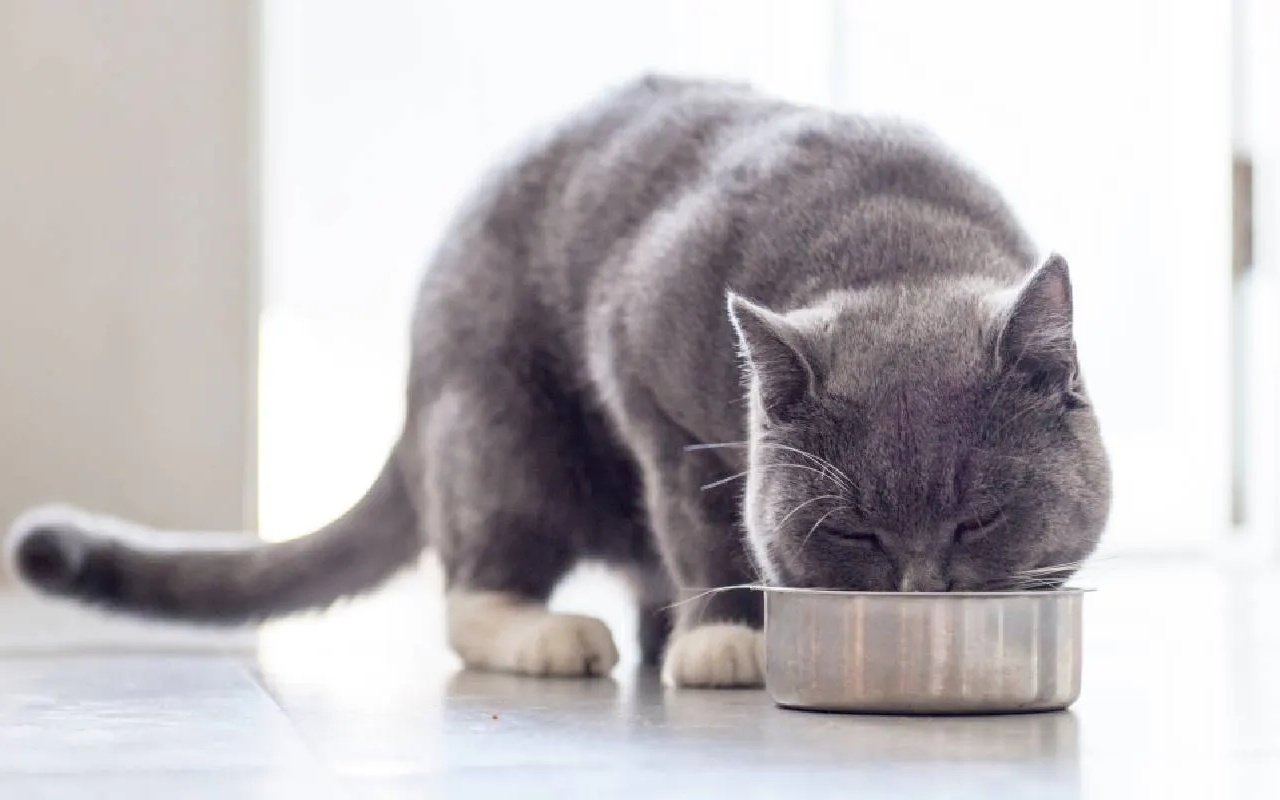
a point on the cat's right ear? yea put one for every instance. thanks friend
(776, 354)
(1036, 338)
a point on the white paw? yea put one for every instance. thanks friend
(496, 631)
(560, 645)
(717, 656)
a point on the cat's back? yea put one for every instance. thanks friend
(554, 213)
(781, 173)
(599, 173)
(701, 161)
(631, 219)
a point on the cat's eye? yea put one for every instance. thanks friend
(855, 536)
(976, 526)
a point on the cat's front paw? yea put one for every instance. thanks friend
(715, 656)
(560, 645)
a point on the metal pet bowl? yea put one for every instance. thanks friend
(923, 653)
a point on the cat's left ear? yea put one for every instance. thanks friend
(1037, 338)
(778, 355)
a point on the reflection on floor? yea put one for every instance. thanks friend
(1180, 699)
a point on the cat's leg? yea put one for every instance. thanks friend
(655, 608)
(511, 632)
(717, 639)
(505, 508)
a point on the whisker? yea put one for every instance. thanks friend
(1028, 587)
(1056, 569)
(715, 590)
(1050, 576)
(723, 481)
(743, 474)
(821, 474)
(714, 446)
(821, 520)
(807, 468)
(808, 502)
(1067, 566)
(821, 462)
(815, 459)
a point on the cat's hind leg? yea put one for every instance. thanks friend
(509, 509)
(509, 632)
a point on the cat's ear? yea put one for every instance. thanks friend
(1037, 338)
(778, 357)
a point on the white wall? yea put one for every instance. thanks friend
(1258, 133)
(1108, 125)
(380, 116)
(128, 258)
(1107, 122)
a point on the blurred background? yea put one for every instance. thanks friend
(213, 215)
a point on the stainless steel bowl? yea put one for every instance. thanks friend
(923, 653)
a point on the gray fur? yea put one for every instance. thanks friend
(916, 416)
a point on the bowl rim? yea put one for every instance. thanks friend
(1040, 593)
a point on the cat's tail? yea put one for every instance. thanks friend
(110, 564)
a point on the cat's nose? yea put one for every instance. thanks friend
(922, 577)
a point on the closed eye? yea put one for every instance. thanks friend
(854, 536)
(977, 526)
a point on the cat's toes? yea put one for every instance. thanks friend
(715, 656)
(565, 646)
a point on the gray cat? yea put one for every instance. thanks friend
(712, 339)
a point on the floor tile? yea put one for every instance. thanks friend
(136, 713)
(233, 785)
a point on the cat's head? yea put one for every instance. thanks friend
(922, 438)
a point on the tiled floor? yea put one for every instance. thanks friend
(1181, 699)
